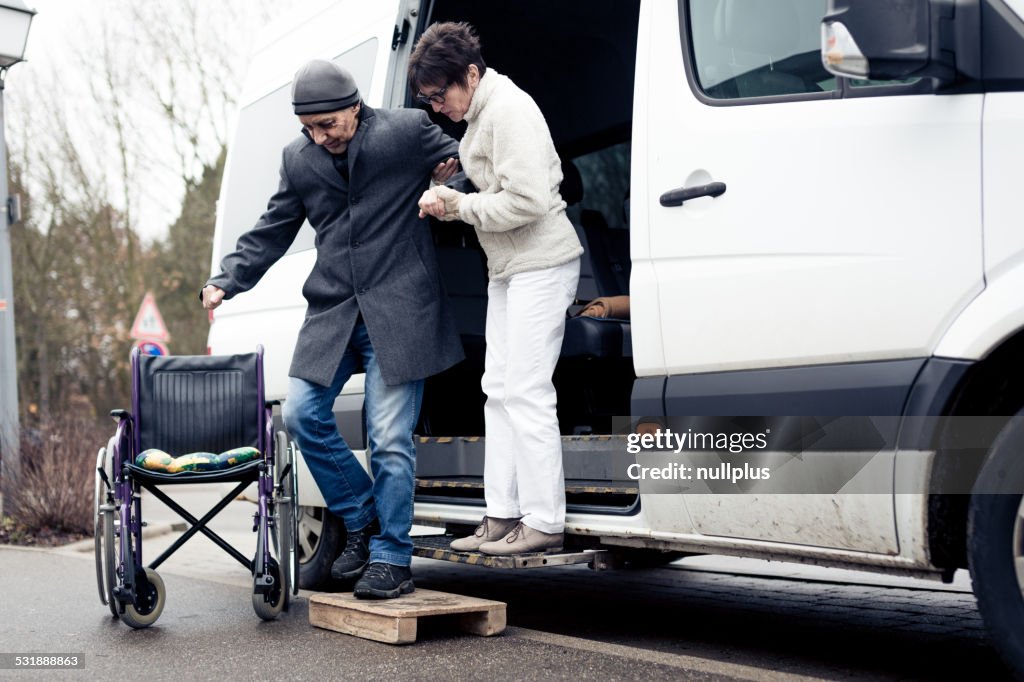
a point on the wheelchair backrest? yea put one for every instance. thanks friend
(198, 403)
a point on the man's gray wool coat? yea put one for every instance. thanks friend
(374, 256)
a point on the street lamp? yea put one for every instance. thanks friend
(15, 19)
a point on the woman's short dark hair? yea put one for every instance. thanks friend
(443, 55)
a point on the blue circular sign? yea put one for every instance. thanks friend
(152, 348)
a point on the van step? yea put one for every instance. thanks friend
(576, 487)
(439, 547)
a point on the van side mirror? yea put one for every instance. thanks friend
(900, 39)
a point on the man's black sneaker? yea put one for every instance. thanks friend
(356, 554)
(384, 581)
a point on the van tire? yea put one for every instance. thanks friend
(315, 569)
(995, 538)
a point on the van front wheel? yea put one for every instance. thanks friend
(995, 543)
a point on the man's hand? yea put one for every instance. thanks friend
(444, 171)
(212, 296)
(430, 204)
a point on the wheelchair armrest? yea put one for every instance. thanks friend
(119, 415)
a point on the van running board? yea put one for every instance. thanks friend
(438, 547)
(571, 487)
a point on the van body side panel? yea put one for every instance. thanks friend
(998, 312)
(992, 317)
(645, 308)
(1003, 149)
(861, 520)
(868, 389)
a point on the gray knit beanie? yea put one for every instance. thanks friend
(322, 86)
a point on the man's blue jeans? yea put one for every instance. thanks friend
(391, 414)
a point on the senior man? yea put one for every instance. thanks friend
(374, 299)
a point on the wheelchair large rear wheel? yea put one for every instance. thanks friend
(108, 548)
(286, 523)
(149, 603)
(101, 518)
(111, 553)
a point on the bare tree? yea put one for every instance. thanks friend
(154, 137)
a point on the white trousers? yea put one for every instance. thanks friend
(523, 474)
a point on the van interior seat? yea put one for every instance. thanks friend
(604, 271)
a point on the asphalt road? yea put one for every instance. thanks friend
(208, 631)
(697, 619)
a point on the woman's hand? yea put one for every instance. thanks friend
(431, 204)
(442, 202)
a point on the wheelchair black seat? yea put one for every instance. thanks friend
(194, 419)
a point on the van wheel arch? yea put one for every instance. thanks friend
(993, 386)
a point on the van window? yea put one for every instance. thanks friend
(265, 127)
(605, 176)
(757, 48)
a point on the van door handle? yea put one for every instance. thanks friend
(680, 195)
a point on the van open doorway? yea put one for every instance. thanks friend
(577, 60)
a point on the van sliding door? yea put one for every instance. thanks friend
(835, 241)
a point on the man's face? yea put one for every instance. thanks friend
(332, 130)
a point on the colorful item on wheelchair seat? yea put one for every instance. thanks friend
(158, 460)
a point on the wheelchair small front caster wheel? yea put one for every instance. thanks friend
(148, 605)
(269, 606)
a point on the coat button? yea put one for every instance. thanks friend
(363, 290)
(356, 245)
(355, 200)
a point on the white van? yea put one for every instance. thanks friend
(796, 242)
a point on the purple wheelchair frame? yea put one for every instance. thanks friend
(127, 445)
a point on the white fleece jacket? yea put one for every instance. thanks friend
(508, 154)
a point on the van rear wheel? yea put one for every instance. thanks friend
(995, 543)
(320, 540)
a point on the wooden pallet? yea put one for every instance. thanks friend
(394, 621)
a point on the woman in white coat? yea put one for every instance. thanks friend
(533, 264)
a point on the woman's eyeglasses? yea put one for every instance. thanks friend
(435, 98)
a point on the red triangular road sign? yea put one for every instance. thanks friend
(148, 322)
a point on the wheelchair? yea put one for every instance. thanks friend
(184, 409)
